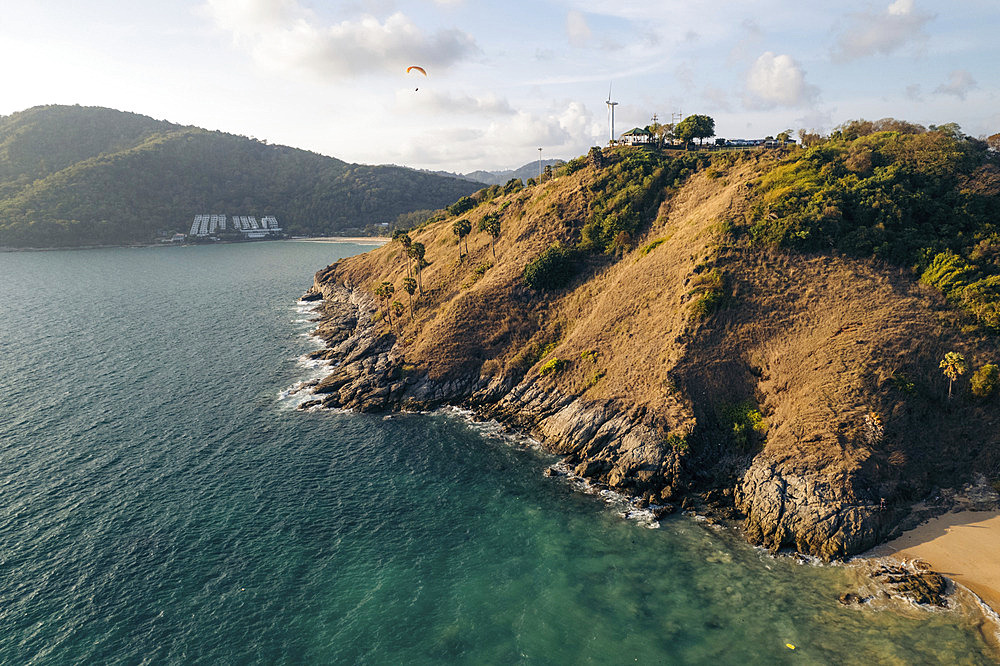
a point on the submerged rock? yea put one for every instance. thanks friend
(922, 587)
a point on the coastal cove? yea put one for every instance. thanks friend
(164, 499)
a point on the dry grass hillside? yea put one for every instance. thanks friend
(800, 388)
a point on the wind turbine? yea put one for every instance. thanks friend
(611, 114)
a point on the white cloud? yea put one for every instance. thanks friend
(577, 29)
(432, 102)
(509, 142)
(870, 33)
(777, 80)
(751, 37)
(960, 82)
(283, 35)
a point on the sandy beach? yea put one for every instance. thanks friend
(965, 546)
(360, 240)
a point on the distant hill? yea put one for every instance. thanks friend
(72, 175)
(525, 172)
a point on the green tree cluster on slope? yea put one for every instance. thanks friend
(626, 193)
(929, 200)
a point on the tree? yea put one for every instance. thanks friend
(660, 131)
(985, 379)
(410, 286)
(404, 240)
(463, 205)
(397, 309)
(417, 251)
(490, 223)
(461, 228)
(953, 365)
(695, 127)
(385, 291)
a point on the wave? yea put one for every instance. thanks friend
(625, 506)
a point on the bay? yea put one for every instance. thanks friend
(162, 501)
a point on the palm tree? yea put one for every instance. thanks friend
(385, 292)
(461, 228)
(410, 286)
(491, 224)
(406, 242)
(397, 309)
(953, 365)
(379, 291)
(417, 251)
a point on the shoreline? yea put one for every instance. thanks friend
(960, 545)
(357, 240)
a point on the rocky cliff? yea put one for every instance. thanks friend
(796, 393)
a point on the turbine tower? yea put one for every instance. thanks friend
(611, 114)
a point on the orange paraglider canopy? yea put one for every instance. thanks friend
(414, 67)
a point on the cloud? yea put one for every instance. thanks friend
(577, 29)
(777, 80)
(960, 82)
(870, 33)
(434, 103)
(283, 35)
(511, 141)
(913, 92)
(751, 37)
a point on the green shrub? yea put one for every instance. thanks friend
(553, 269)
(982, 300)
(553, 365)
(531, 354)
(572, 166)
(710, 293)
(678, 443)
(652, 246)
(746, 424)
(627, 193)
(984, 380)
(950, 273)
(463, 205)
(904, 383)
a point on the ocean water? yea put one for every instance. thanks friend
(162, 502)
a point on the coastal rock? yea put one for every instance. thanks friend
(922, 587)
(806, 510)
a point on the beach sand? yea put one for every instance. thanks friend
(965, 546)
(360, 240)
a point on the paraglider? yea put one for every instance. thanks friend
(418, 69)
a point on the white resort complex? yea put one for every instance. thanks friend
(205, 226)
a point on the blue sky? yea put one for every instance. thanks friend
(503, 78)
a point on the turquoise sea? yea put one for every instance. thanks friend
(162, 502)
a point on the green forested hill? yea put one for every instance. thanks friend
(83, 176)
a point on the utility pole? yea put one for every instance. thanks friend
(539, 165)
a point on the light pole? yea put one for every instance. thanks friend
(539, 165)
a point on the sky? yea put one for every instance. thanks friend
(503, 78)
